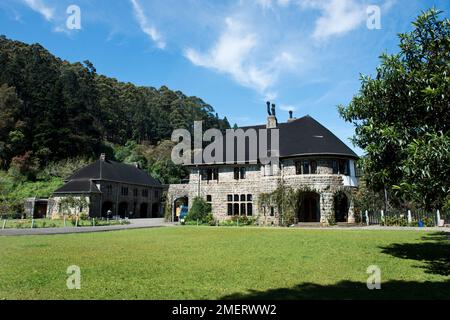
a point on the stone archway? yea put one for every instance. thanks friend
(155, 210)
(177, 206)
(106, 207)
(143, 210)
(309, 207)
(123, 209)
(341, 207)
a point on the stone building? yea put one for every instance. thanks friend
(313, 161)
(125, 190)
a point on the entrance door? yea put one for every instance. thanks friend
(144, 210)
(341, 207)
(123, 209)
(309, 207)
(155, 210)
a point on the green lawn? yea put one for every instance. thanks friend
(214, 263)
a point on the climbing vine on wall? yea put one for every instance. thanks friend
(286, 201)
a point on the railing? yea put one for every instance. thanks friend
(419, 218)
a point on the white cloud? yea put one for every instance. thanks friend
(246, 55)
(268, 4)
(337, 16)
(231, 54)
(145, 26)
(40, 7)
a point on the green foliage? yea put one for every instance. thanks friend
(199, 211)
(402, 115)
(426, 171)
(62, 169)
(71, 206)
(13, 192)
(239, 221)
(286, 201)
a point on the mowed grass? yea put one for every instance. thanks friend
(226, 263)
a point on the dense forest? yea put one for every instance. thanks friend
(56, 114)
(53, 109)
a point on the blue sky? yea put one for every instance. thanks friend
(304, 55)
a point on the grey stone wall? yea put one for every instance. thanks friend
(114, 195)
(257, 182)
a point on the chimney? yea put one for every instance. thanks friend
(291, 116)
(103, 157)
(272, 121)
(268, 108)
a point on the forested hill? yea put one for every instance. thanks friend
(51, 109)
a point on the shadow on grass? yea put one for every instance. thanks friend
(349, 290)
(434, 252)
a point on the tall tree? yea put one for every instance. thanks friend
(402, 115)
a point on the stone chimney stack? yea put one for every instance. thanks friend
(272, 121)
(103, 157)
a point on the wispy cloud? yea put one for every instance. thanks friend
(40, 7)
(146, 26)
(245, 53)
(337, 16)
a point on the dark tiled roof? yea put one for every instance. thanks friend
(303, 137)
(306, 136)
(114, 171)
(81, 180)
(78, 186)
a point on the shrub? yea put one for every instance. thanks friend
(199, 211)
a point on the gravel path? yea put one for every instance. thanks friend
(135, 224)
(156, 223)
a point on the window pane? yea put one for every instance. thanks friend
(249, 209)
(236, 197)
(242, 197)
(230, 198)
(313, 167)
(335, 167)
(249, 197)
(236, 173)
(298, 168)
(208, 198)
(305, 167)
(243, 209)
(243, 173)
(236, 209)
(230, 209)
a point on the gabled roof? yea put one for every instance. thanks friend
(104, 170)
(306, 136)
(300, 138)
(78, 186)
